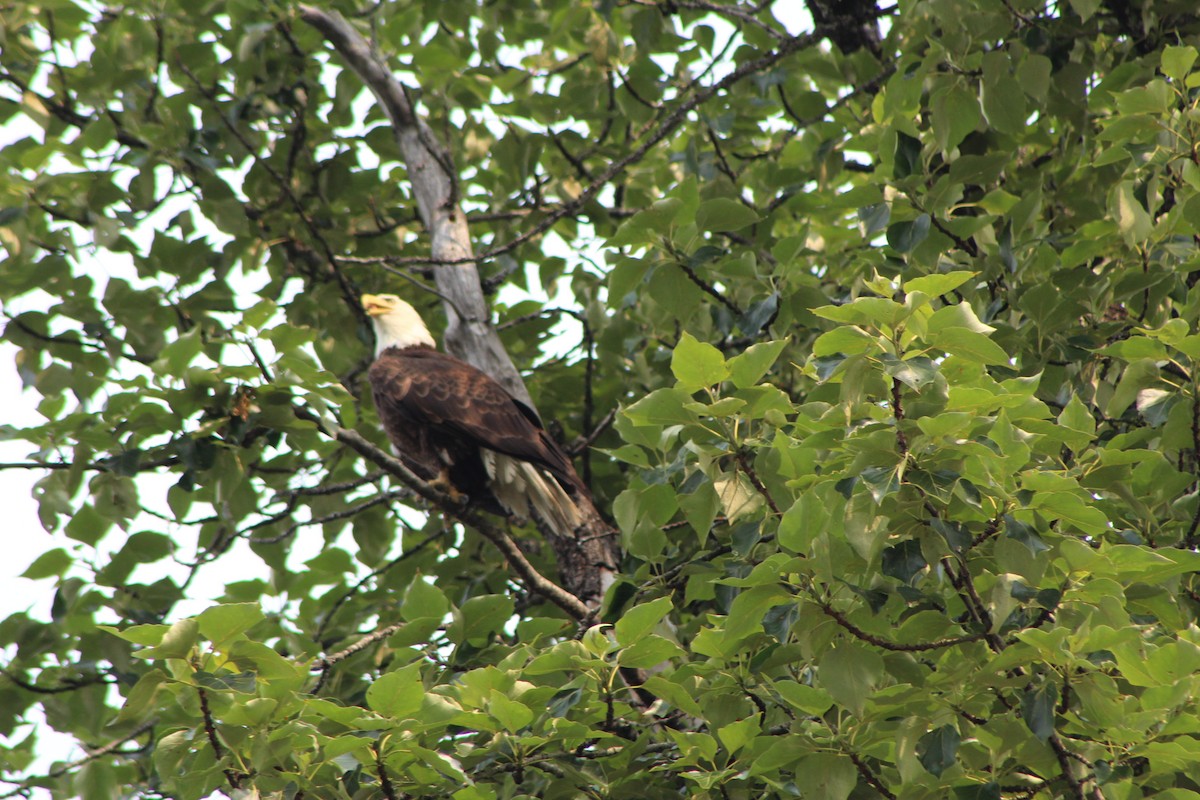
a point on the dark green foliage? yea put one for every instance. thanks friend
(902, 347)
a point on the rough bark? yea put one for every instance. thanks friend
(469, 333)
(588, 562)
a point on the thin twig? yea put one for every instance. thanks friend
(326, 663)
(859, 633)
(210, 730)
(23, 788)
(759, 486)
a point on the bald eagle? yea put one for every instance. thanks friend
(460, 430)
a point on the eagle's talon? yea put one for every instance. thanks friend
(442, 484)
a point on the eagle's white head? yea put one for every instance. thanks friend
(397, 324)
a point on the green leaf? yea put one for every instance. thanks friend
(874, 218)
(1002, 98)
(847, 339)
(52, 563)
(397, 694)
(482, 616)
(1177, 61)
(649, 651)
(244, 682)
(980, 791)
(938, 284)
(1085, 8)
(1037, 709)
(960, 315)
(640, 620)
(806, 699)
(423, 600)
(735, 735)
(748, 367)
(1138, 375)
(512, 714)
(865, 311)
(938, 749)
(220, 624)
(697, 364)
(646, 226)
(915, 373)
(759, 315)
(907, 156)
(826, 775)
(1072, 508)
(177, 642)
(970, 345)
(850, 672)
(1153, 98)
(903, 561)
(1131, 216)
(1076, 418)
(955, 115)
(904, 236)
(722, 214)
(662, 407)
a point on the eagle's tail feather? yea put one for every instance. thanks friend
(518, 484)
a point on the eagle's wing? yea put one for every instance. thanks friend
(425, 387)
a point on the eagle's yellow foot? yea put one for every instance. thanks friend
(442, 484)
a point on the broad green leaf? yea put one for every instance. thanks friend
(1002, 99)
(397, 694)
(697, 364)
(735, 735)
(850, 672)
(938, 749)
(1072, 508)
(960, 315)
(1131, 216)
(512, 714)
(649, 651)
(846, 339)
(176, 642)
(1153, 98)
(970, 345)
(640, 620)
(723, 214)
(904, 236)
(803, 698)
(874, 218)
(748, 367)
(1177, 61)
(423, 600)
(662, 407)
(955, 114)
(1037, 709)
(49, 564)
(482, 616)
(827, 775)
(648, 225)
(865, 311)
(220, 624)
(938, 283)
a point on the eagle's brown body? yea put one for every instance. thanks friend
(441, 412)
(457, 427)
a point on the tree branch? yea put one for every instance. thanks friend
(22, 789)
(533, 579)
(469, 333)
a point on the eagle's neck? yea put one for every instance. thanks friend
(400, 327)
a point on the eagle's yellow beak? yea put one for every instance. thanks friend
(374, 305)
